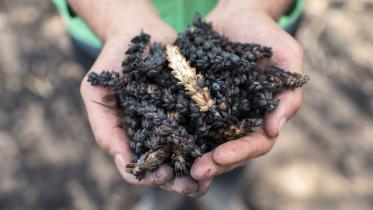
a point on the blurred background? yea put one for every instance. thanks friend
(49, 160)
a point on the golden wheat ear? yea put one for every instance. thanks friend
(186, 74)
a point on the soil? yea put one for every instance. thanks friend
(49, 159)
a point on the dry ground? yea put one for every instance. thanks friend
(49, 160)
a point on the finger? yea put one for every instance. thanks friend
(161, 176)
(206, 168)
(203, 187)
(105, 121)
(243, 149)
(290, 102)
(182, 185)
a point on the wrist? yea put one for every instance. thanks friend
(274, 8)
(159, 31)
(110, 18)
(129, 19)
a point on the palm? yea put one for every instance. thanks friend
(254, 27)
(106, 122)
(263, 30)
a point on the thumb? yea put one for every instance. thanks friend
(290, 102)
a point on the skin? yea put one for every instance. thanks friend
(259, 27)
(245, 21)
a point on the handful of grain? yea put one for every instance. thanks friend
(186, 98)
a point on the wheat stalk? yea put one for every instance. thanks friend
(182, 70)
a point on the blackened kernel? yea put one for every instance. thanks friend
(163, 124)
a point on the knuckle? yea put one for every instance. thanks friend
(259, 149)
(266, 149)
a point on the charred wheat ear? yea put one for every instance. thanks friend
(192, 82)
(181, 100)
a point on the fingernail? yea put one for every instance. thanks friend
(281, 125)
(119, 161)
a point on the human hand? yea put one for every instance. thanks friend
(106, 120)
(253, 25)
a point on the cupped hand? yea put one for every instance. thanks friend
(101, 104)
(250, 26)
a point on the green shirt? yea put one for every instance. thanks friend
(177, 13)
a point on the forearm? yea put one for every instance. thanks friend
(108, 17)
(274, 8)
